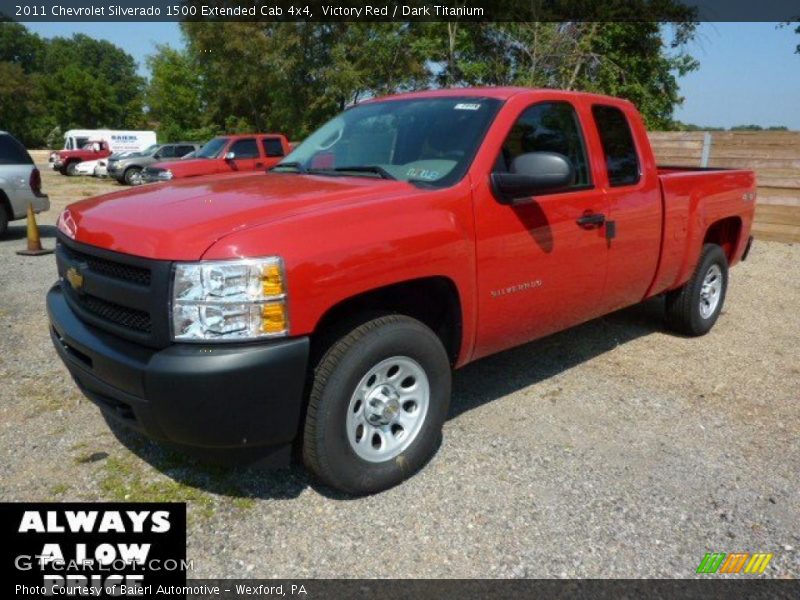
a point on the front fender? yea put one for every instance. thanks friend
(341, 251)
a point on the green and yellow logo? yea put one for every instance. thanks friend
(737, 562)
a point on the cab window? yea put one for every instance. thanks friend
(622, 162)
(245, 148)
(547, 127)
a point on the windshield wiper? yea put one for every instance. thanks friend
(291, 165)
(380, 171)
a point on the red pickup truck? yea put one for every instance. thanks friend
(322, 305)
(66, 161)
(224, 154)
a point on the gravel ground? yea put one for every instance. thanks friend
(612, 449)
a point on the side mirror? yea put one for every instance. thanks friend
(533, 173)
(230, 155)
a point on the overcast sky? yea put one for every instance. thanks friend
(748, 71)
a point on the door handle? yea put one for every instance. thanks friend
(591, 220)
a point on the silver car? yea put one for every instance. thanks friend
(20, 183)
(126, 169)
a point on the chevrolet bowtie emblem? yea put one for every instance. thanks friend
(75, 278)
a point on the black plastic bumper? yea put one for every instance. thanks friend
(223, 402)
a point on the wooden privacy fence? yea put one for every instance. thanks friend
(773, 155)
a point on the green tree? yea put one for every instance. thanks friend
(627, 59)
(290, 77)
(174, 96)
(63, 83)
(91, 83)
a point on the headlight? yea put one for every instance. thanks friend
(159, 174)
(229, 300)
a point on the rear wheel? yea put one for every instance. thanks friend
(72, 168)
(378, 401)
(694, 308)
(3, 220)
(132, 176)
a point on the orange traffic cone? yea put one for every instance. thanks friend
(34, 242)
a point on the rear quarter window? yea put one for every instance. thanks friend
(622, 162)
(273, 147)
(12, 152)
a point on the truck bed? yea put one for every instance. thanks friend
(694, 199)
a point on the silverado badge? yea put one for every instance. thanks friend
(75, 278)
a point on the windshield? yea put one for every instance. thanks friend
(212, 149)
(430, 140)
(150, 150)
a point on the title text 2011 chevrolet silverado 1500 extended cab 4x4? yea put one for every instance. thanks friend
(322, 305)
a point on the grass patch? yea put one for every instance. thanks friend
(39, 397)
(59, 489)
(175, 479)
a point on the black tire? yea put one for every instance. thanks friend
(3, 220)
(129, 174)
(327, 452)
(72, 168)
(683, 305)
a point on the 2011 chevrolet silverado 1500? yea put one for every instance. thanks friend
(322, 305)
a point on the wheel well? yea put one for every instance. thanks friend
(5, 205)
(725, 233)
(432, 300)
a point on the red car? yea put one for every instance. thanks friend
(66, 161)
(323, 304)
(224, 154)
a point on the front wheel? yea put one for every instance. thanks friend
(694, 308)
(132, 176)
(72, 169)
(378, 401)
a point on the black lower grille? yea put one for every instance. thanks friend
(119, 315)
(109, 268)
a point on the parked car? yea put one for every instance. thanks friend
(322, 305)
(127, 169)
(20, 182)
(224, 154)
(80, 146)
(66, 162)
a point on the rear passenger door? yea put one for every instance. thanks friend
(246, 155)
(633, 196)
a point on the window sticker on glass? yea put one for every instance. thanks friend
(467, 106)
(425, 174)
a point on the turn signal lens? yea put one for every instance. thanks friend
(273, 318)
(272, 280)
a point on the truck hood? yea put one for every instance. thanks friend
(180, 220)
(192, 167)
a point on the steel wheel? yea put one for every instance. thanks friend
(711, 291)
(387, 409)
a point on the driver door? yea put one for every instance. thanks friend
(246, 155)
(539, 269)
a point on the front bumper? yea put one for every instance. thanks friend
(230, 403)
